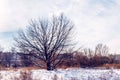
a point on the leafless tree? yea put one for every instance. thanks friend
(88, 52)
(1, 52)
(1, 49)
(46, 39)
(101, 49)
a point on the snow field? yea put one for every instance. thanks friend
(67, 74)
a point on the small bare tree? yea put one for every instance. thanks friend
(1, 52)
(101, 50)
(46, 39)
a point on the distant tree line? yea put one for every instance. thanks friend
(85, 58)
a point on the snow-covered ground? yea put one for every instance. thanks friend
(67, 74)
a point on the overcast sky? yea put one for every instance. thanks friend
(96, 21)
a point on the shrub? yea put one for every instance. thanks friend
(25, 75)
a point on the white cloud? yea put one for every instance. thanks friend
(96, 21)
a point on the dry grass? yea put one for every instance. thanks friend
(25, 75)
(109, 66)
(29, 68)
(106, 66)
(22, 68)
(55, 77)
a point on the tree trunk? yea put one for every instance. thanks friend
(49, 67)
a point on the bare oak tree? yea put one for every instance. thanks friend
(46, 39)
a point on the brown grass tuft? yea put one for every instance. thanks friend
(109, 66)
(25, 75)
